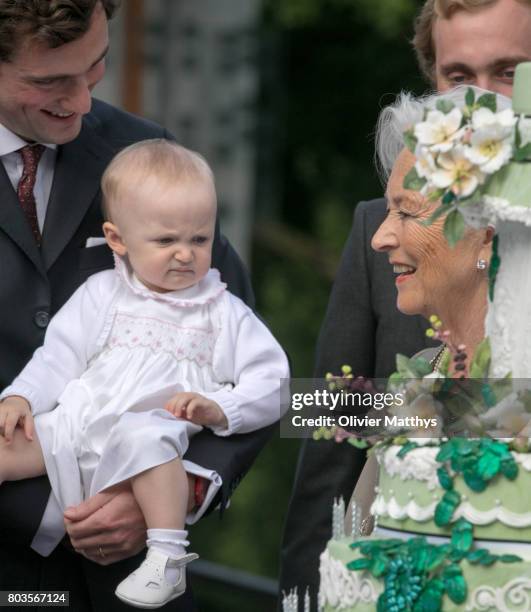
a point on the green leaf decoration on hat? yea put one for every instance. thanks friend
(488, 100)
(454, 227)
(413, 181)
(479, 367)
(470, 97)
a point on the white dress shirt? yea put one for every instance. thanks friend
(13, 164)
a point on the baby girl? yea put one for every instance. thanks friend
(141, 358)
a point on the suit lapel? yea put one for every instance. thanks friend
(14, 223)
(78, 171)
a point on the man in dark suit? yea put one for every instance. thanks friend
(51, 56)
(456, 41)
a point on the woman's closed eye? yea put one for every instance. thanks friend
(403, 214)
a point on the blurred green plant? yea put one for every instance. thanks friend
(387, 17)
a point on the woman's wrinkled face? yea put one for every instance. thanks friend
(429, 274)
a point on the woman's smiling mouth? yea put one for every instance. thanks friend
(404, 272)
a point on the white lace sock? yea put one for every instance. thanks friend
(172, 542)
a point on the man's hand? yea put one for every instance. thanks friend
(15, 410)
(107, 527)
(110, 526)
(197, 409)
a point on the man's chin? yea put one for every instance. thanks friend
(60, 135)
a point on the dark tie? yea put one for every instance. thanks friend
(30, 156)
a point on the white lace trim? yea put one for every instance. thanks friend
(204, 292)
(501, 209)
(418, 464)
(508, 324)
(515, 596)
(492, 209)
(342, 588)
(477, 215)
(162, 337)
(420, 514)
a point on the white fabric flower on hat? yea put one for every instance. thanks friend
(457, 172)
(491, 140)
(483, 117)
(425, 166)
(440, 130)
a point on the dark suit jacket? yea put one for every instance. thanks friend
(364, 329)
(34, 285)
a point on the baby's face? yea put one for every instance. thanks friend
(168, 232)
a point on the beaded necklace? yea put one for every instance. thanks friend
(436, 361)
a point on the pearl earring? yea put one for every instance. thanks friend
(481, 264)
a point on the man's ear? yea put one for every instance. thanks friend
(114, 238)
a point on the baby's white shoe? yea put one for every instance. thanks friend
(147, 587)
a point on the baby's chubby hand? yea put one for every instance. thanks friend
(197, 409)
(15, 410)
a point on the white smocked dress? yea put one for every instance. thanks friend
(109, 423)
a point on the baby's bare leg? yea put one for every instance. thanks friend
(162, 494)
(20, 458)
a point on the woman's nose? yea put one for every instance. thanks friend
(385, 237)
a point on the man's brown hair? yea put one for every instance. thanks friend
(423, 38)
(52, 22)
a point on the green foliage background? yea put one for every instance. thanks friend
(328, 66)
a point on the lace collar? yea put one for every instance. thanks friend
(205, 291)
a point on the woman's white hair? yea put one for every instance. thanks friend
(407, 110)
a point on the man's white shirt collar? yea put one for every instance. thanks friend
(10, 142)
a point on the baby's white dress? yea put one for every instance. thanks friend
(137, 348)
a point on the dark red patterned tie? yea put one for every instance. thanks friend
(31, 155)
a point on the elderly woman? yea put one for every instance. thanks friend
(431, 276)
(454, 527)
